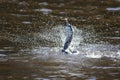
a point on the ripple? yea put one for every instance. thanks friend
(3, 58)
(112, 37)
(62, 12)
(21, 15)
(23, 3)
(3, 55)
(41, 79)
(43, 3)
(97, 67)
(113, 9)
(44, 10)
(26, 22)
(92, 78)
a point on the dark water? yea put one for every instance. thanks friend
(32, 33)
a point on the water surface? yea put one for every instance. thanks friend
(32, 33)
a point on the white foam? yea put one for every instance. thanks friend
(93, 55)
(77, 37)
(57, 35)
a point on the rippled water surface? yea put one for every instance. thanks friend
(32, 33)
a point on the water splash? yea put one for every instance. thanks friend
(57, 35)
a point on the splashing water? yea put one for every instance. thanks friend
(57, 35)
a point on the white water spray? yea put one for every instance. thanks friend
(58, 35)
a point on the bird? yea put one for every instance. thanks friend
(69, 36)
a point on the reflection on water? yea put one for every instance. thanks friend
(26, 22)
(32, 34)
(113, 9)
(44, 10)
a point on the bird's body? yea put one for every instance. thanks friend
(69, 35)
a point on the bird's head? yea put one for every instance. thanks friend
(66, 19)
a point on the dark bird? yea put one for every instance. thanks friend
(69, 35)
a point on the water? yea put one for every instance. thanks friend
(32, 34)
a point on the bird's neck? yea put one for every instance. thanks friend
(67, 23)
